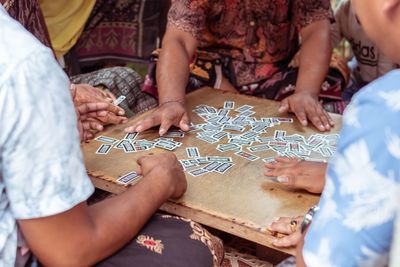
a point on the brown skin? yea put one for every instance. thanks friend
(297, 173)
(282, 226)
(85, 93)
(173, 73)
(91, 233)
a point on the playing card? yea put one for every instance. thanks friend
(259, 148)
(128, 178)
(131, 136)
(243, 108)
(128, 147)
(104, 149)
(198, 172)
(192, 152)
(119, 145)
(212, 166)
(119, 100)
(229, 105)
(223, 167)
(246, 155)
(106, 139)
(219, 159)
(174, 134)
(228, 147)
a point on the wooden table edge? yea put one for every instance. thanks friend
(227, 225)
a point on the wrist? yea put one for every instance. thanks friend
(160, 183)
(170, 101)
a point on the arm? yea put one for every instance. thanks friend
(172, 77)
(312, 71)
(89, 234)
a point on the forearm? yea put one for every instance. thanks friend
(173, 68)
(314, 59)
(94, 232)
(118, 219)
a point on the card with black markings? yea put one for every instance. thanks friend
(106, 139)
(104, 149)
(247, 156)
(198, 172)
(192, 152)
(128, 148)
(128, 178)
(224, 167)
(229, 105)
(131, 136)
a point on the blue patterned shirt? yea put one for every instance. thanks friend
(354, 226)
(41, 169)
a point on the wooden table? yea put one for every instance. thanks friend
(241, 202)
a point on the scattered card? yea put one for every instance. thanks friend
(104, 149)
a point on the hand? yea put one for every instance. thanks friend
(166, 115)
(85, 93)
(306, 107)
(290, 228)
(168, 172)
(297, 173)
(84, 113)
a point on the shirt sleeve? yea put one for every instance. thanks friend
(354, 226)
(42, 165)
(306, 12)
(188, 16)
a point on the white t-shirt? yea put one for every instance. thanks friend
(372, 63)
(41, 169)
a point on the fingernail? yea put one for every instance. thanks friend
(121, 112)
(282, 179)
(275, 219)
(139, 128)
(162, 131)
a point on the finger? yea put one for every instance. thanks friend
(113, 119)
(94, 114)
(288, 241)
(88, 136)
(115, 109)
(331, 122)
(139, 170)
(92, 125)
(184, 124)
(313, 116)
(165, 125)
(91, 107)
(147, 123)
(324, 118)
(281, 225)
(284, 107)
(301, 116)
(109, 95)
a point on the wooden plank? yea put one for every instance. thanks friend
(241, 202)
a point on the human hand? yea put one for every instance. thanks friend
(166, 171)
(290, 228)
(85, 93)
(166, 115)
(297, 173)
(86, 127)
(306, 107)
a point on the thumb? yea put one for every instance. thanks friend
(184, 123)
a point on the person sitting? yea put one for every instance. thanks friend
(354, 225)
(370, 62)
(244, 46)
(44, 185)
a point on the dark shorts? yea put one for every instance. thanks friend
(169, 241)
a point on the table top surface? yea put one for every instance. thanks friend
(242, 201)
